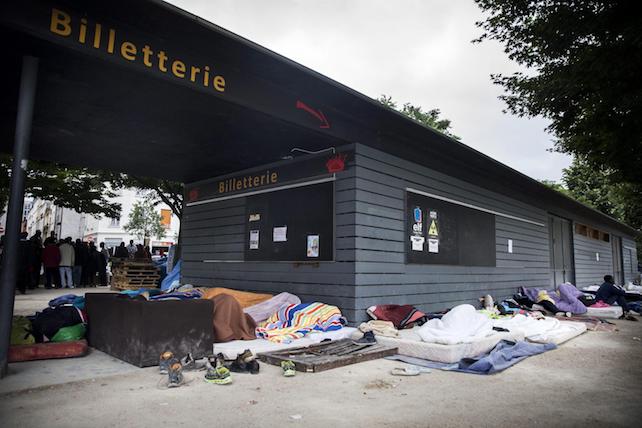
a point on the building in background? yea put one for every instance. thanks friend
(112, 231)
(47, 217)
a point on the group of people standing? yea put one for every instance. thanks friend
(67, 264)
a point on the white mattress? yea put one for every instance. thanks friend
(610, 312)
(257, 346)
(409, 343)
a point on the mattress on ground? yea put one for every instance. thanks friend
(231, 349)
(47, 351)
(567, 330)
(409, 343)
(608, 312)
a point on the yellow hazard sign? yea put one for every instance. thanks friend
(432, 230)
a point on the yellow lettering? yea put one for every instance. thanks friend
(82, 35)
(161, 61)
(206, 76)
(262, 179)
(256, 181)
(219, 83)
(239, 183)
(221, 187)
(147, 52)
(97, 35)
(128, 51)
(111, 41)
(60, 23)
(178, 68)
(274, 177)
(195, 70)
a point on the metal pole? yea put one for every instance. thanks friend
(8, 276)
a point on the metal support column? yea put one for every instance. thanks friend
(8, 276)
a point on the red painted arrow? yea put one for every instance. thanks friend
(316, 113)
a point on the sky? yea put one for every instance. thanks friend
(416, 51)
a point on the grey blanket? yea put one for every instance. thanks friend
(264, 310)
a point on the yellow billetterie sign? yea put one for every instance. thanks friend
(106, 39)
(247, 182)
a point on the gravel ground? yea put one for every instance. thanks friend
(593, 380)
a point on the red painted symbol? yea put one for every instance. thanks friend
(316, 113)
(336, 163)
(193, 195)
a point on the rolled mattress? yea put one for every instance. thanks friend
(409, 343)
(608, 312)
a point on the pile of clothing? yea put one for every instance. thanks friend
(63, 320)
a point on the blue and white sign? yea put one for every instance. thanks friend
(417, 213)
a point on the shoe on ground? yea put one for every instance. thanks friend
(630, 317)
(253, 367)
(188, 362)
(247, 356)
(238, 365)
(175, 375)
(367, 339)
(219, 375)
(164, 361)
(289, 369)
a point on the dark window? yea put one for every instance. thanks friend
(581, 229)
(305, 211)
(452, 234)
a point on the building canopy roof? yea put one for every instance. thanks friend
(147, 88)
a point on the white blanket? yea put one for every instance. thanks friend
(538, 330)
(462, 324)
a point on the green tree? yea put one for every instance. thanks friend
(428, 118)
(145, 221)
(584, 67)
(80, 189)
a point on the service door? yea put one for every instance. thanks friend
(561, 247)
(618, 267)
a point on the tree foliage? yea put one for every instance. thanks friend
(80, 189)
(145, 221)
(428, 118)
(585, 61)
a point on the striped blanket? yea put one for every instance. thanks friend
(295, 321)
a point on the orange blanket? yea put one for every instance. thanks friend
(245, 298)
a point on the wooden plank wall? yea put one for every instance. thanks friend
(216, 231)
(379, 240)
(630, 256)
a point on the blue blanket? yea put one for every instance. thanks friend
(504, 355)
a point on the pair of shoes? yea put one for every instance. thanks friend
(218, 374)
(629, 316)
(245, 362)
(289, 369)
(175, 375)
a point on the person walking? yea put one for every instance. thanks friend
(67, 261)
(51, 261)
(102, 270)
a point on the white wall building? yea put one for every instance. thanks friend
(46, 217)
(111, 231)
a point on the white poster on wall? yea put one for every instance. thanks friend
(417, 243)
(254, 239)
(280, 234)
(433, 245)
(313, 245)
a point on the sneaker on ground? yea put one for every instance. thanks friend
(175, 375)
(289, 369)
(219, 375)
(165, 360)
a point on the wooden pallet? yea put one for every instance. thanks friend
(129, 274)
(328, 355)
